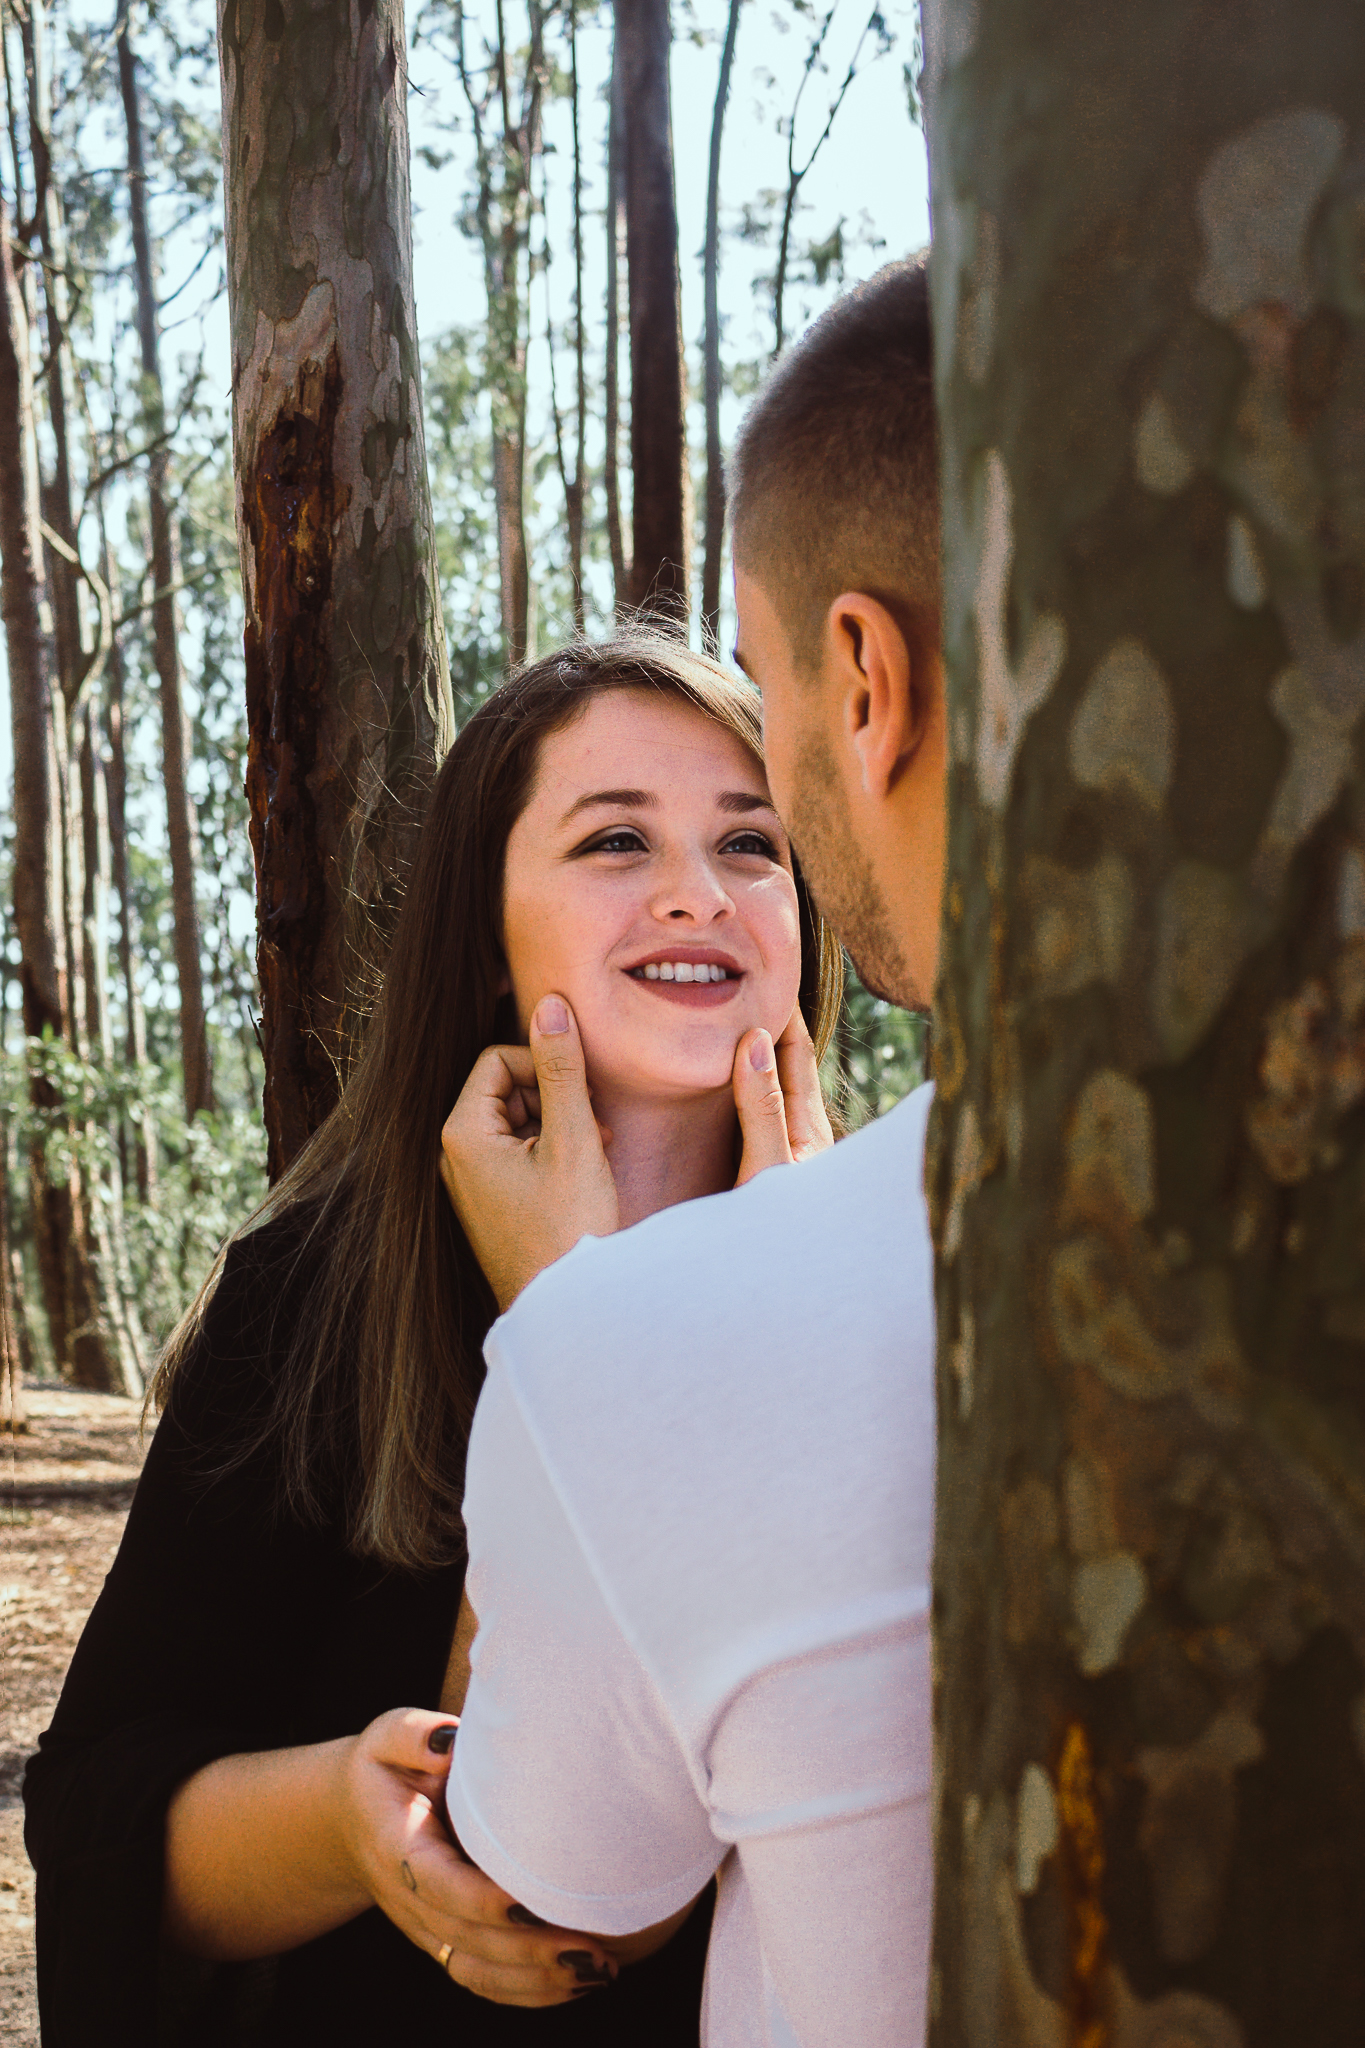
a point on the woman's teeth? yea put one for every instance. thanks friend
(679, 970)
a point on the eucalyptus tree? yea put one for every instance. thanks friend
(660, 490)
(1148, 1162)
(165, 567)
(348, 686)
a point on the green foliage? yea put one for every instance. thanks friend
(878, 1056)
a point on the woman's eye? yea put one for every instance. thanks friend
(622, 841)
(752, 843)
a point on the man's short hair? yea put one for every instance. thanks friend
(834, 480)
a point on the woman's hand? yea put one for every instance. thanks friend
(523, 1157)
(394, 1784)
(782, 1116)
(267, 1851)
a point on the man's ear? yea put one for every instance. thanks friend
(883, 712)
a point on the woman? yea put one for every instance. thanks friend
(210, 1832)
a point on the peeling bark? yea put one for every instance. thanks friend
(659, 571)
(348, 689)
(1147, 1162)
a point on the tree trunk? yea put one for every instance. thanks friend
(182, 833)
(715, 468)
(573, 493)
(348, 688)
(616, 240)
(1148, 1161)
(37, 818)
(135, 1022)
(13, 1414)
(658, 395)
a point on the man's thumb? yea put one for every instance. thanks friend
(561, 1070)
(762, 1106)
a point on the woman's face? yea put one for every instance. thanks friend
(649, 881)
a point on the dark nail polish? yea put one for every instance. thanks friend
(584, 1968)
(442, 1740)
(524, 1917)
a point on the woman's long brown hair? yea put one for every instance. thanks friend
(386, 1359)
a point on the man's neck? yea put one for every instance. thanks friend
(663, 1152)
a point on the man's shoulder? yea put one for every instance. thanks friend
(818, 1230)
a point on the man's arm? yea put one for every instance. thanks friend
(567, 1770)
(820, 1773)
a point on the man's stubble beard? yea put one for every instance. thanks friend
(841, 879)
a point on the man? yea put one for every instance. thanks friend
(700, 1481)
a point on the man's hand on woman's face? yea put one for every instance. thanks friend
(522, 1155)
(404, 1858)
(782, 1117)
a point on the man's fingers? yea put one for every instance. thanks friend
(808, 1125)
(761, 1105)
(567, 1124)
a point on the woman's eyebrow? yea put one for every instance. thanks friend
(742, 801)
(615, 799)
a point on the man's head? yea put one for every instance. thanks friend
(836, 547)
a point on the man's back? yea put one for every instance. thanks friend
(705, 1452)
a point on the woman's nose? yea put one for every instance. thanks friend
(691, 893)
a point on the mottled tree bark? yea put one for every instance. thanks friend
(658, 388)
(348, 688)
(1148, 1160)
(715, 467)
(181, 827)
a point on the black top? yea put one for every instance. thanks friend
(225, 1627)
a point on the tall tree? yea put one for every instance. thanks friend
(1148, 1167)
(165, 560)
(660, 508)
(504, 161)
(348, 688)
(616, 256)
(573, 484)
(715, 468)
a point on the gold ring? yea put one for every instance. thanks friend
(446, 1951)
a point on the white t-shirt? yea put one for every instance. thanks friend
(700, 1513)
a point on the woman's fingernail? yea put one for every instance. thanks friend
(761, 1053)
(582, 1990)
(584, 1968)
(442, 1740)
(552, 1016)
(524, 1917)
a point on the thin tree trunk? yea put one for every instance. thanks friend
(616, 242)
(574, 492)
(182, 832)
(13, 1415)
(348, 687)
(659, 577)
(715, 469)
(1148, 1160)
(135, 1022)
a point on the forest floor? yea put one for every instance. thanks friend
(65, 1487)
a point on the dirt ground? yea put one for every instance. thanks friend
(65, 1487)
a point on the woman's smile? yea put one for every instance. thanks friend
(695, 976)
